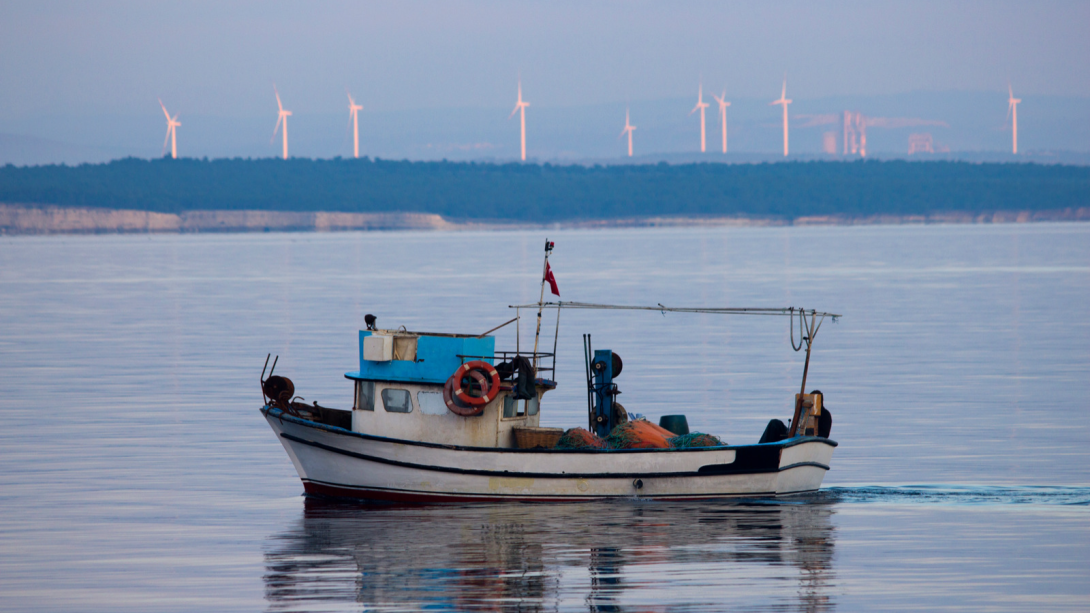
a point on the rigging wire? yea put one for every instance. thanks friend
(785, 311)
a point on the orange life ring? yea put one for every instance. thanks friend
(457, 406)
(477, 370)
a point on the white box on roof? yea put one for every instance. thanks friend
(378, 348)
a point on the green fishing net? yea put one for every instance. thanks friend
(696, 439)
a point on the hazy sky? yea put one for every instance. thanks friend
(221, 58)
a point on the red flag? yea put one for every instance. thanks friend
(551, 279)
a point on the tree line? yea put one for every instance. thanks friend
(547, 192)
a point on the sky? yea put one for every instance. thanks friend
(68, 65)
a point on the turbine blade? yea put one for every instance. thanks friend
(166, 139)
(517, 107)
(279, 118)
(164, 109)
(278, 105)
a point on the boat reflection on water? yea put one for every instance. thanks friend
(616, 556)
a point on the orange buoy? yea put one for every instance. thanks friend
(480, 372)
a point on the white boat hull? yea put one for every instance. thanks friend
(340, 463)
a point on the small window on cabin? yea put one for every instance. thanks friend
(397, 401)
(513, 408)
(365, 395)
(532, 406)
(431, 403)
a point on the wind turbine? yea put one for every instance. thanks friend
(628, 128)
(353, 110)
(723, 104)
(520, 107)
(700, 104)
(784, 101)
(282, 117)
(172, 132)
(1012, 112)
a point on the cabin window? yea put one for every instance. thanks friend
(513, 408)
(532, 406)
(397, 401)
(365, 395)
(431, 403)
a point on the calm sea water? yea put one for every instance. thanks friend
(136, 473)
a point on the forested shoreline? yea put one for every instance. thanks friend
(551, 193)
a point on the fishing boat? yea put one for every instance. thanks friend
(442, 417)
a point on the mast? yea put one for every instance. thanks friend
(541, 299)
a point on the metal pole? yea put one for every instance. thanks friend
(590, 385)
(506, 323)
(541, 300)
(805, 370)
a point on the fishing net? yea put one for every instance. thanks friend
(696, 439)
(638, 434)
(579, 438)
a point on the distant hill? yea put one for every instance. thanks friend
(552, 193)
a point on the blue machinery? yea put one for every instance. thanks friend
(601, 390)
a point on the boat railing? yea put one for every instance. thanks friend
(507, 356)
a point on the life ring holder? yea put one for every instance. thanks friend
(486, 376)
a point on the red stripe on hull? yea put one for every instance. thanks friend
(337, 491)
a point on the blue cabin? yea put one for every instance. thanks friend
(399, 390)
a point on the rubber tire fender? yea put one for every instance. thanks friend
(456, 406)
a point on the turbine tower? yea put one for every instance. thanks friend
(353, 110)
(172, 132)
(520, 107)
(628, 128)
(723, 104)
(1012, 112)
(700, 104)
(281, 118)
(784, 101)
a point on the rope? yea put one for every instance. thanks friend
(791, 326)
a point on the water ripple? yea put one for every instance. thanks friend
(957, 494)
